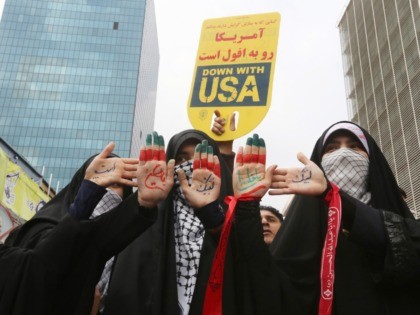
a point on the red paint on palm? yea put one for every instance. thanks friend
(142, 155)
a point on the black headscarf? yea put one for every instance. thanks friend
(54, 211)
(297, 248)
(144, 276)
(381, 181)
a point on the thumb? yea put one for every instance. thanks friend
(303, 159)
(182, 179)
(269, 173)
(107, 150)
(170, 172)
(217, 113)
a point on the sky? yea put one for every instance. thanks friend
(308, 90)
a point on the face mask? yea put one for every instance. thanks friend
(349, 170)
(188, 169)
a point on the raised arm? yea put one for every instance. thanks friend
(101, 173)
(225, 147)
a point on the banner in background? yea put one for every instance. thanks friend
(234, 72)
(18, 192)
(6, 223)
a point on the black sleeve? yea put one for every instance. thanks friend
(262, 287)
(60, 248)
(390, 237)
(211, 215)
(114, 230)
(249, 234)
(402, 260)
(88, 196)
(364, 224)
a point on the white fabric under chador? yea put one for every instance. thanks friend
(189, 234)
(349, 170)
(109, 201)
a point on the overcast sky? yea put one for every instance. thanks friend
(308, 93)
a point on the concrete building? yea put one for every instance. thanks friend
(381, 65)
(75, 75)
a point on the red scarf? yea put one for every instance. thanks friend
(328, 252)
(214, 291)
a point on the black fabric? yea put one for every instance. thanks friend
(144, 275)
(360, 284)
(403, 253)
(210, 215)
(59, 275)
(50, 214)
(262, 288)
(105, 236)
(30, 278)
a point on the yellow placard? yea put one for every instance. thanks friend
(19, 192)
(234, 72)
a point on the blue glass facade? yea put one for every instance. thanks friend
(73, 76)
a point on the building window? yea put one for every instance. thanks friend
(115, 25)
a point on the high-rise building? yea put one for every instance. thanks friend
(381, 65)
(75, 75)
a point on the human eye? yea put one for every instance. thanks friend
(356, 146)
(179, 159)
(330, 148)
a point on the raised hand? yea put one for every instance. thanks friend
(155, 178)
(219, 123)
(106, 171)
(250, 178)
(205, 182)
(309, 180)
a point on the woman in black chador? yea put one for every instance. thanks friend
(165, 270)
(56, 259)
(376, 268)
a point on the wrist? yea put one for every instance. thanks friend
(211, 215)
(326, 191)
(97, 180)
(146, 204)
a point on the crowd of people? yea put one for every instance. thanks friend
(183, 231)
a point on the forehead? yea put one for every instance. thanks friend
(267, 213)
(342, 136)
(187, 145)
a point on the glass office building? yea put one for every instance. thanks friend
(75, 75)
(381, 61)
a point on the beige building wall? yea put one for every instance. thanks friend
(381, 65)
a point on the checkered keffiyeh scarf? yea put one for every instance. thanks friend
(109, 201)
(189, 234)
(348, 170)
